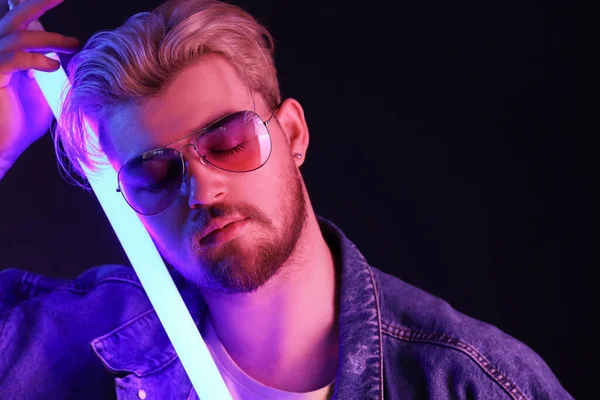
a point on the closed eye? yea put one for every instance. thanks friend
(237, 149)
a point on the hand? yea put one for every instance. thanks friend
(24, 113)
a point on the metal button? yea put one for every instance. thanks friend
(142, 394)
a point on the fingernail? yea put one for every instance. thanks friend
(30, 74)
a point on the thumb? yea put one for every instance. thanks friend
(4, 80)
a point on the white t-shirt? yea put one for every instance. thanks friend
(242, 386)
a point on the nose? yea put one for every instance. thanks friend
(207, 183)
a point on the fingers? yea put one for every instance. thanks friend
(25, 13)
(4, 80)
(38, 41)
(20, 61)
(20, 48)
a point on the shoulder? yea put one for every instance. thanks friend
(444, 342)
(35, 305)
(19, 286)
(47, 324)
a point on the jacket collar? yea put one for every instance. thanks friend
(360, 372)
(141, 345)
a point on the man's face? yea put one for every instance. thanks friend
(270, 199)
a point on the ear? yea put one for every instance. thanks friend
(290, 117)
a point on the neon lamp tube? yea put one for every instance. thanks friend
(145, 259)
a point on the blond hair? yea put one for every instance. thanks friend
(135, 62)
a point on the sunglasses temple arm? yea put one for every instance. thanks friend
(145, 259)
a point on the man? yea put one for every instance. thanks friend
(188, 109)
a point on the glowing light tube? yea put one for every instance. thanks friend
(149, 266)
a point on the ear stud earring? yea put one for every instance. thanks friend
(297, 155)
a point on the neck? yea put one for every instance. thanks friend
(286, 335)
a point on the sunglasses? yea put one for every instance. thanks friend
(238, 142)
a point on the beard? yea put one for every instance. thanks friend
(237, 268)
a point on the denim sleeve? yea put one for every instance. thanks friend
(9, 288)
(16, 287)
(10, 280)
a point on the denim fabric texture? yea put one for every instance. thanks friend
(98, 337)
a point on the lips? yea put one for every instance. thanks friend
(219, 231)
(216, 224)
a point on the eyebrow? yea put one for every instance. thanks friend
(213, 118)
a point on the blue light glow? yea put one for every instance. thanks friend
(146, 261)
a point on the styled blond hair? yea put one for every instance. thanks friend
(135, 61)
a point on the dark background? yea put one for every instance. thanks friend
(443, 143)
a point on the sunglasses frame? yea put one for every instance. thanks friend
(203, 159)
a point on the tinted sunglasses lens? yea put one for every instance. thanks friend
(151, 181)
(239, 142)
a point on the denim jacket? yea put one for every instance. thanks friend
(98, 337)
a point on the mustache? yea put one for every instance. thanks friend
(205, 214)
